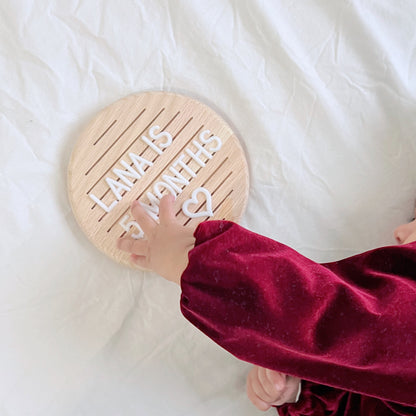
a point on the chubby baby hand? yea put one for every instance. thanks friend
(166, 244)
(266, 388)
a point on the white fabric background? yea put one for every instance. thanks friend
(322, 95)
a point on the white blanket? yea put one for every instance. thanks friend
(322, 95)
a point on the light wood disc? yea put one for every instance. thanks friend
(144, 146)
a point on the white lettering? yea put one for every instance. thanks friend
(173, 184)
(116, 187)
(194, 201)
(209, 140)
(124, 175)
(127, 226)
(164, 134)
(195, 157)
(184, 165)
(158, 185)
(139, 162)
(152, 145)
(201, 150)
(101, 203)
(173, 180)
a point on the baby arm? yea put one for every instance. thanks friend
(270, 306)
(165, 251)
(349, 324)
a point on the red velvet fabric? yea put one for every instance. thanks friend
(347, 327)
(320, 400)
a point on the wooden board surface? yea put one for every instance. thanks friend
(144, 146)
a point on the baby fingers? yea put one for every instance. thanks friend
(273, 382)
(266, 393)
(132, 246)
(147, 223)
(252, 389)
(166, 210)
(141, 261)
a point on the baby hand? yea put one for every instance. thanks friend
(165, 249)
(266, 388)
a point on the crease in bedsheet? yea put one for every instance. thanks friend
(295, 59)
(380, 41)
(126, 317)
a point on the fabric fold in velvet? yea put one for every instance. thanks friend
(350, 325)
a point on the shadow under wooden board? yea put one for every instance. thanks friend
(145, 146)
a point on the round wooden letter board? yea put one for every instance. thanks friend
(145, 146)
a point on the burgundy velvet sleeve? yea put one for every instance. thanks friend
(350, 324)
(320, 400)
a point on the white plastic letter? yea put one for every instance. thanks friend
(194, 201)
(195, 156)
(201, 150)
(209, 140)
(158, 185)
(101, 203)
(124, 175)
(152, 145)
(127, 226)
(116, 187)
(139, 162)
(164, 134)
(184, 165)
(173, 180)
